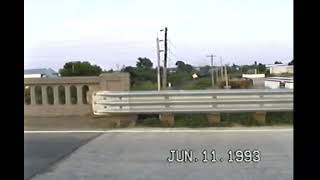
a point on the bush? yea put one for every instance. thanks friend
(245, 119)
(202, 83)
(274, 118)
(191, 120)
(147, 85)
(227, 119)
(237, 83)
(149, 120)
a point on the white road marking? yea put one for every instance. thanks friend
(165, 131)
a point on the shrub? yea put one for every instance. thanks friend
(237, 83)
(147, 85)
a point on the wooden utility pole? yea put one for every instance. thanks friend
(158, 67)
(212, 73)
(221, 68)
(164, 77)
(226, 76)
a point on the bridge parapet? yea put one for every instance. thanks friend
(68, 96)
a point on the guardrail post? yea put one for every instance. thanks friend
(167, 119)
(260, 117)
(214, 105)
(214, 118)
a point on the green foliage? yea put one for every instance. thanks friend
(144, 85)
(201, 83)
(77, 68)
(233, 119)
(144, 63)
(227, 119)
(291, 62)
(191, 120)
(179, 78)
(182, 75)
(262, 69)
(277, 62)
(108, 71)
(274, 118)
(143, 76)
(237, 83)
(183, 68)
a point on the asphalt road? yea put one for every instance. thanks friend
(42, 150)
(143, 155)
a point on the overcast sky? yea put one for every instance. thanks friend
(113, 33)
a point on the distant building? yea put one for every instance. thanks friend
(40, 73)
(171, 69)
(252, 76)
(279, 82)
(280, 68)
(257, 80)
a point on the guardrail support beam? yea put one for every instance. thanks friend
(167, 119)
(260, 117)
(214, 118)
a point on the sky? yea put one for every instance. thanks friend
(113, 33)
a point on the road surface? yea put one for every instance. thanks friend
(143, 154)
(43, 150)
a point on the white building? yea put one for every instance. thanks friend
(280, 68)
(279, 82)
(40, 73)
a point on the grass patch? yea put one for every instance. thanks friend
(242, 119)
(148, 120)
(191, 120)
(227, 120)
(279, 118)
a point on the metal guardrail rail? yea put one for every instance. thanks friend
(188, 101)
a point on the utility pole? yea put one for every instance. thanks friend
(212, 73)
(158, 68)
(217, 71)
(164, 80)
(226, 77)
(221, 68)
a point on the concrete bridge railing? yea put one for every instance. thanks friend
(68, 96)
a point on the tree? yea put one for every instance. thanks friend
(277, 62)
(291, 62)
(141, 73)
(183, 67)
(77, 68)
(131, 71)
(144, 63)
(108, 71)
(180, 63)
(262, 68)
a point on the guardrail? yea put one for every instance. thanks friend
(188, 101)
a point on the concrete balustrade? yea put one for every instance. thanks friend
(79, 94)
(44, 95)
(109, 81)
(32, 95)
(55, 95)
(68, 94)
